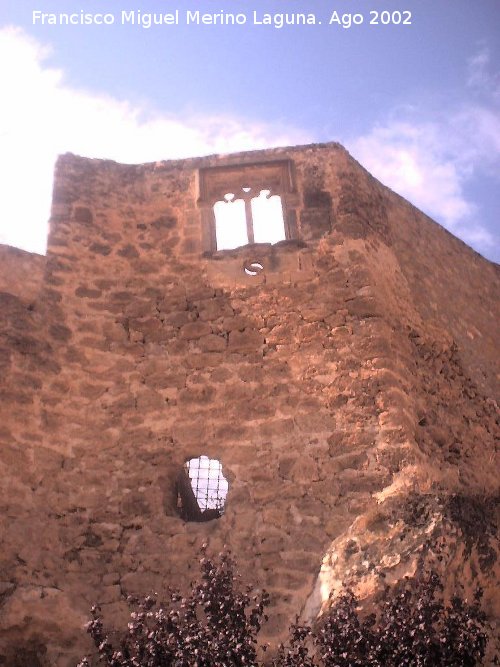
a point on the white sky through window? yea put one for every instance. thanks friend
(267, 214)
(230, 220)
(208, 482)
(230, 223)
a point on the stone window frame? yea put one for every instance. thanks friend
(277, 176)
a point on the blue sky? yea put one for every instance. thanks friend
(418, 105)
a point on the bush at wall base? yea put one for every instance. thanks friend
(217, 623)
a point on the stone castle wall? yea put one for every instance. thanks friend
(333, 386)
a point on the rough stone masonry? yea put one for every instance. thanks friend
(347, 383)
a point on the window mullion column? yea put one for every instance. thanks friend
(249, 219)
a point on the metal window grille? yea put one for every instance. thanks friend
(208, 483)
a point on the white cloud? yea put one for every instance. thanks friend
(41, 116)
(408, 158)
(476, 68)
(430, 158)
(479, 75)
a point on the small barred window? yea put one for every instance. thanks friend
(201, 489)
